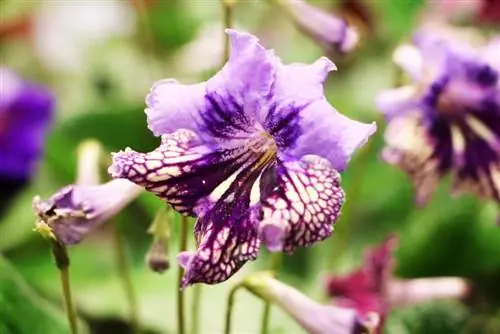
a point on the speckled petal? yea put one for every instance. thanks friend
(223, 105)
(304, 205)
(303, 122)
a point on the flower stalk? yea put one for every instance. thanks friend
(62, 262)
(126, 279)
(230, 306)
(275, 261)
(227, 7)
(181, 318)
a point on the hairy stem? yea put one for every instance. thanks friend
(275, 262)
(126, 280)
(180, 292)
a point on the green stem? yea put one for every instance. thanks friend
(228, 6)
(62, 262)
(124, 273)
(275, 261)
(180, 292)
(195, 310)
(230, 306)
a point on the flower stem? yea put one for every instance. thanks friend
(229, 310)
(124, 273)
(180, 292)
(228, 6)
(275, 261)
(62, 262)
(195, 309)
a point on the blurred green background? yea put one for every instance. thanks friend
(101, 57)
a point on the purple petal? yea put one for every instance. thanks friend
(398, 101)
(333, 32)
(303, 122)
(304, 205)
(25, 115)
(74, 211)
(310, 315)
(410, 59)
(209, 107)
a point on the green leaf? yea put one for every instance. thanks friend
(22, 311)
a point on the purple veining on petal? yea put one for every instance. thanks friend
(307, 201)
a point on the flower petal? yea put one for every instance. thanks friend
(398, 101)
(412, 147)
(225, 101)
(304, 205)
(303, 122)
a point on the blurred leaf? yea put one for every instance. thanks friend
(444, 317)
(22, 311)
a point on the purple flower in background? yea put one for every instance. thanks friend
(315, 318)
(329, 30)
(26, 111)
(448, 119)
(253, 153)
(374, 288)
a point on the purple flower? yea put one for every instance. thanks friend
(315, 318)
(329, 30)
(26, 111)
(374, 288)
(257, 144)
(75, 210)
(448, 119)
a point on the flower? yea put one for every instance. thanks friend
(74, 211)
(329, 30)
(312, 316)
(26, 112)
(374, 288)
(448, 119)
(258, 142)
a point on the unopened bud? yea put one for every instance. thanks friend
(157, 257)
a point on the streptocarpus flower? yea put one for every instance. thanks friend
(26, 112)
(374, 288)
(448, 119)
(329, 30)
(312, 316)
(253, 151)
(75, 210)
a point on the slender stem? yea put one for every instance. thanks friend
(228, 6)
(180, 292)
(275, 262)
(229, 310)
(124, 273)
(195, 309)
(62, 262)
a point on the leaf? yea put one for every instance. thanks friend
(22, 311)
